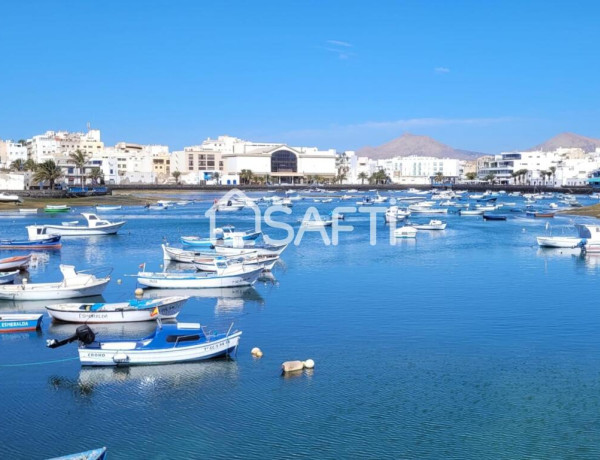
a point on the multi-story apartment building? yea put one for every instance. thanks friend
(46, 146)
(11, 151)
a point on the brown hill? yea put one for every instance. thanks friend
(568, 140)
(411, 144)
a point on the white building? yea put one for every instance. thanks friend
(46, 146)
(419, 170)
(11, 151)
(137, 163)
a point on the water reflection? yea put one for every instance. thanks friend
(146, 379)
(103, 331)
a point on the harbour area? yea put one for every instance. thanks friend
(467, 341)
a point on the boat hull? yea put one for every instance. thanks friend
(199, 282)
(177, 354)
(558, 242)
(20, 323)
(50, 291)
(65, 230)
(12, 263)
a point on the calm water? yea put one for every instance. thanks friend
(466, 343)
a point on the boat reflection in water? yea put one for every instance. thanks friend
(33, 306)
(136, 330)
(558, 252)
(136, 379)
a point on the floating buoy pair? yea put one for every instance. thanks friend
(256, 352)
(295, 366)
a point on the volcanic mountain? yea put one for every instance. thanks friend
(411, 144)
(568, 140)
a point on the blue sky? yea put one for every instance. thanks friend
(483, 76)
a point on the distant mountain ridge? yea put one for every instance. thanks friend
(568, 140)
(411, 144)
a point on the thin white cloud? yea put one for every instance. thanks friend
(441, 70)
(339, 43)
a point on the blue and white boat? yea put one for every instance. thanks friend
(225, 235)
(51, 242)
(8, 277)
(95, 454)
(169, 343)
(20, 322)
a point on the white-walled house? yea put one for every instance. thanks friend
(11, 151)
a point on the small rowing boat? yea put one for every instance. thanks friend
(17, 262)
(54, 208)
(52, 242)
(8, 277)
(20, 322)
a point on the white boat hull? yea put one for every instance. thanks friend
(178, 354)
(195, 281)
(558, 242)
(66, 230)
(54, 292)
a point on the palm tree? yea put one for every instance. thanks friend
(17, 165)
(490, 178)
(96, 175)
(246, 176)
(30, 165)
(471, 175)
(216, 177)
(48, 171)
(80, 159)
(363, 176)
(552, 173)
(439, 177)
(176, 175)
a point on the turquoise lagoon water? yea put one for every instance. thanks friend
(466, 343)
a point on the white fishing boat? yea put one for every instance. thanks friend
(6, 198)
(28, 210)
(432, 225)
(94, 226)
(590, 235)
(120, 312)
(56, 208)
(417, 209)
(170, 343)
(183, 203)
(380, 199)
(406, 232)
(8, 277)
(225, 276)
(74, 284)
(558, 241)
(180, 255)
(471, 212)
(263, 249)
(229, 206)
(317, 223)
(101, 208)
(15, 263)
(395, 214)
(208, 263)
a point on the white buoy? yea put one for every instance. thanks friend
(119, 281)
(309, 364)
(139, 292)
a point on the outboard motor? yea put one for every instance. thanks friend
(83, 333)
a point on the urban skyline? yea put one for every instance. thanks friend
(504, 77)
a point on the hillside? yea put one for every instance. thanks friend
(411, 144)
(568, 140)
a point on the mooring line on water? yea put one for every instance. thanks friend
(36, 363)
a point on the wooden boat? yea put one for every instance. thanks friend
(121, 312)
(54, 208)
(558, 241)
(225, 276)
(406, 232)
(17, 262)
(52, 242)
(432, 225)
(95, 454)
(74, 284)
(494, 217)
(94, 226)
(207, 263)
(222, 235)
(100, 208)
(169, 343)
(470, 212)
(539, 214)
(20, 322)
(260, 249)
(8, 277)
(5, 198)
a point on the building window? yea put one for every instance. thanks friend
(284, 161)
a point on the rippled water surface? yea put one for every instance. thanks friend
(465, 343)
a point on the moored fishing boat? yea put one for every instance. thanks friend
(74, 284)
(494, 217)
(316, 223)
(54, 208)
(17, 262)
(120, 312)
(6, 198)
(432, 225)
(169, 343)
(260, 249)
(558, 241)
(208, 263)
(28, 210)
(8, 277)
(539, 214)
(406, 232)
(470, 212)
(20, 322)
(225, 276)
(101, 208)
(51, 242)
(95, 454)
(93, 226)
